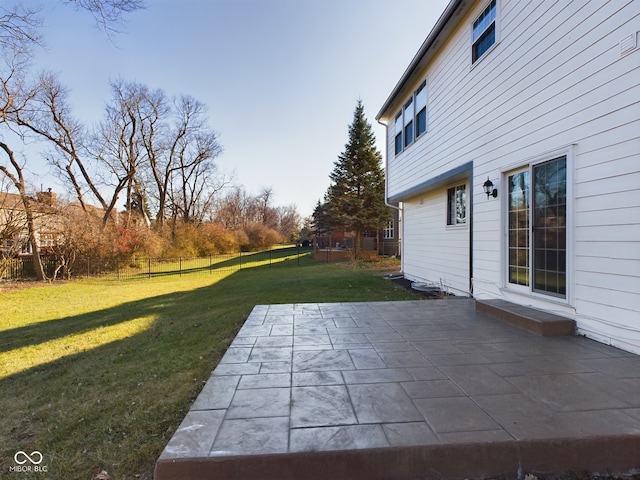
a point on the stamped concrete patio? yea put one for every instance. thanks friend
(406, 390)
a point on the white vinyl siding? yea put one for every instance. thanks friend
(557, 80)
(435, 253)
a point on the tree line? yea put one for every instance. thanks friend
(143, 180)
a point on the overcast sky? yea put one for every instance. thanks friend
(280, 78)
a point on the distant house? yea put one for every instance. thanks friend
(13, 223)
(390, 240)
(538, 103)
(386, 240)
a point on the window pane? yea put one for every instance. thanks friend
(484, 20)
(421, 96)
(518, 211)
(457, 205)
(408, 134)
(421, 122)
(399, 143)
(399, 123)
(461, 204)
(399, 128)
(549, 232)
(484, 31)
(483, 44)
(451, 201)
(408, 112)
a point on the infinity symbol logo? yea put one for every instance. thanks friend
(26, 457)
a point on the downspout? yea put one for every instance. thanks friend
(471, 220)
(386, 193)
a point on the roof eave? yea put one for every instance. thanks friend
(444, 25)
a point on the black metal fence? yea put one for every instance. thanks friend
(22, 268)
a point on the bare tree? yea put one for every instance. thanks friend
(289, 221)
(108, 14)
(196, 183)
(118, 147)
(49, 117)
(19, 29)
(15, 96)
(12, 226)
(18, 181)
(19, 32)
(230, 210)
(181, 152)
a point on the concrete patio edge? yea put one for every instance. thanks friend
(407, 390)
(552, 457)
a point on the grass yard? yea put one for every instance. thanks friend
(97, 375)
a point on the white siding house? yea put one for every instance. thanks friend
(542, 99)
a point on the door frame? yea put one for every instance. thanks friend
(527, 164)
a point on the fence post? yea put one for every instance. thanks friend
(298, 249)
(210, 264)
(180, 267)
(118, 268)
(270, 254)
(240, 259)
(149, 260)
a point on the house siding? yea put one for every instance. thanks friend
(434, 252)
(555, 82)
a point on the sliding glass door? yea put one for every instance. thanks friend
(537, 209)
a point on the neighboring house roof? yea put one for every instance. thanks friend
(446, 24)
(10, 200)
(44, 203)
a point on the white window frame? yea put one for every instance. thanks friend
(388, 231)
(408, 115)
(420, 103)
(398, 123)
(452, 218)
(409, 125)
(569, 299)
(494, 22)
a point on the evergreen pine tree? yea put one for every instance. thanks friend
(355, 198)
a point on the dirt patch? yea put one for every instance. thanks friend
(406, 284)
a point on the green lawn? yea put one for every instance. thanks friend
(97, 375)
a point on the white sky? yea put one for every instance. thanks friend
(281, 78)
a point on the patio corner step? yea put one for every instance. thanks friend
(536, 321)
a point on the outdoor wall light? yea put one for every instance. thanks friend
(489, 190)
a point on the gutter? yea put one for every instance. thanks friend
(386, 190)
(386, 168)
(430, 42)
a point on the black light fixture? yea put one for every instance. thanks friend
(489, 190)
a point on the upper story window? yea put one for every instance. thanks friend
(484, 31)
(411, 120)
(408, 122)
(421, 109)
(399, 133)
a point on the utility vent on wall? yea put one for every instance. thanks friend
(627, 44)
